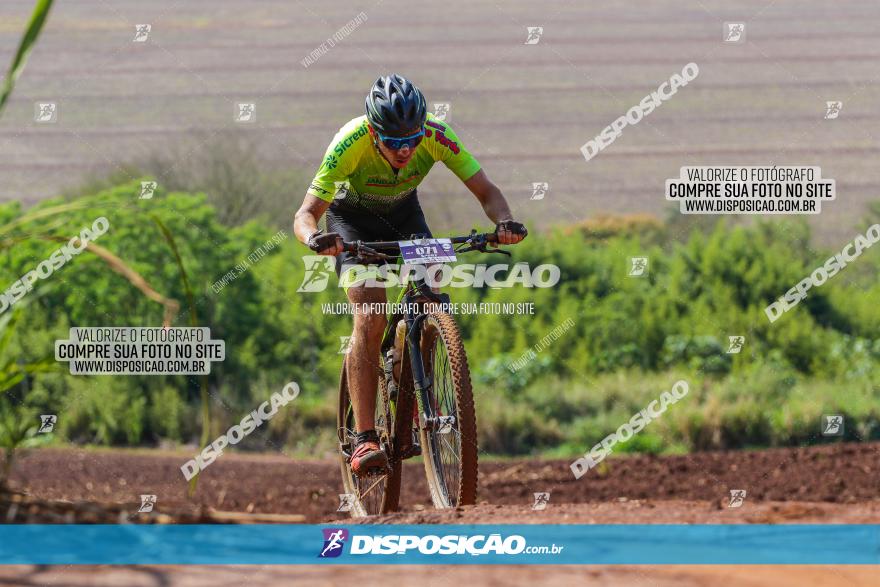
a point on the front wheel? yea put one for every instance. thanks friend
(449, 441)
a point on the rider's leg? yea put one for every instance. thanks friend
(362, 362)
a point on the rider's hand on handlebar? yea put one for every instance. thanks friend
(325, 243)
(510, 232)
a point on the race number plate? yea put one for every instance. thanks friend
(427, 250)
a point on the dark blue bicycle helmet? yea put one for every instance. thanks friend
(395, 106)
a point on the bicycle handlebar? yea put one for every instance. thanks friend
(473, 238)
(474, 242)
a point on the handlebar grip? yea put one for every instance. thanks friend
(514, 227)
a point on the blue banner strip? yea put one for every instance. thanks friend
(442, 544)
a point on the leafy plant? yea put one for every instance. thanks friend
(18, 430)
(35, 25)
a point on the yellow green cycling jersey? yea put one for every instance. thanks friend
(356, 174)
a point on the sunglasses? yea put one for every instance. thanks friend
(397, 143)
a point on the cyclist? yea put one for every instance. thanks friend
(366, 185)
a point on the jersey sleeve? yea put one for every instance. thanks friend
(447, 147)
(340, 161)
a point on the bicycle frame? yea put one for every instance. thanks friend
(420, 425)
(410, 294)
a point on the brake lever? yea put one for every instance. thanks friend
(483, 248)
(366, 254)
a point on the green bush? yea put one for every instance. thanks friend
(629, 338)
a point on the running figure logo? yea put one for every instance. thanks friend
(737, 498)
(47, 423)
(638, 267)
(832, 109)
(734, 32)
(441, 110)
(147, 503)
(141, 32)
(539, 190)
(832, 425)
(334, 540)
(341, 189)
(736, 344)
(541, 501)
(246, 112)
(534, 35)
(45, 112)
(317, 276)
(445, 424)
(147, 189)
(346, 500)
(345, 343)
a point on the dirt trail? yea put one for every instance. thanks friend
(826, 484)
(816, 483)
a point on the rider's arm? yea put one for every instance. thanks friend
(494, 205)
(444, 145)
(305, 222)
(490, 197)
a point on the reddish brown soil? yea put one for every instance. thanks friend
(832, 482)
(829, 484)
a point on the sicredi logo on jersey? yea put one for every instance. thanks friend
(349, 141)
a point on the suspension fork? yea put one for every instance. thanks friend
(423, 387)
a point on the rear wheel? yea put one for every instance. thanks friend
(372, 494)
(449, 443)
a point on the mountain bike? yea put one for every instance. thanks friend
(424, 403)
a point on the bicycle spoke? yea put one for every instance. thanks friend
(446, 451)
(379, 479)
(454, 452)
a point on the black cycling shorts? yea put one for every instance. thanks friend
(401, 223)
